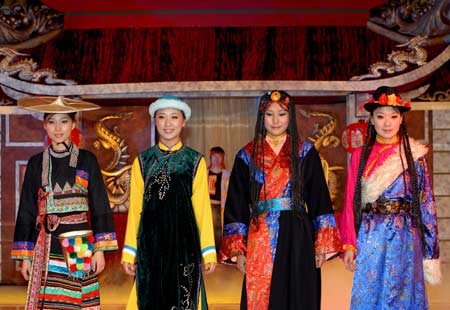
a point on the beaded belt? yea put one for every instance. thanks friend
(276, 204)
(54, 220)
(388, 207)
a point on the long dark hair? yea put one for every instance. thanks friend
(405, 148)
(258, 152)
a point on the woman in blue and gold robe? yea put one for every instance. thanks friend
(389, 225)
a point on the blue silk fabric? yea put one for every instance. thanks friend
(389, 264)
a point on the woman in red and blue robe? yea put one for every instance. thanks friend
(278, 219)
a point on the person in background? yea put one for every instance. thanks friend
(278, 218)
(62, 193)
(169, 229)
(389, 225)
(218, 178)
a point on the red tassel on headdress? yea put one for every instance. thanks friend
(75, 136)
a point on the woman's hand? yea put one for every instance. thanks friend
(241, 263)
(349, 260)
(98, 262)
(320, 259)
(209, 268)
(129, 269)
(25, 269)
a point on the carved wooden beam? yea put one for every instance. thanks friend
(25, 26)
(411, 18)
(16, 88)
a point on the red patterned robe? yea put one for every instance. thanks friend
(280, 248)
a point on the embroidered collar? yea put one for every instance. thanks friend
(46, 164)
(276, 141)
(382, 140)
(176, 147)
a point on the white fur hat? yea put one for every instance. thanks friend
(170, 102)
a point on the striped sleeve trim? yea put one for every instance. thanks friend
(105, 246)
(22, 255)
(129, 250)
(208, 250)
(22, 250)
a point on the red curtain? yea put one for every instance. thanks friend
(199, 54)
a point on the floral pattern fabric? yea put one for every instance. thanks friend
(260, 241)
(389, 262)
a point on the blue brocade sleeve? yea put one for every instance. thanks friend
(428, 208)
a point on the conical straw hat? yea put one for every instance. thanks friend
(55, 105)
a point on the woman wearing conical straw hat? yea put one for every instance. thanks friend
(61, 250)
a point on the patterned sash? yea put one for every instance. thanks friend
(40, 259)
(42, 247)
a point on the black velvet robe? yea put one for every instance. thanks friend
(169, 253)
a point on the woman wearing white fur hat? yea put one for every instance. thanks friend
(169, 229)
(389, 219)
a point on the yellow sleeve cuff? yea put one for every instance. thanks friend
(346, 247)
(210, 258)
(127, 258)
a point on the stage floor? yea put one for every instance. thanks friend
(224, 289)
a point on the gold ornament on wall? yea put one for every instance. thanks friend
(325, 136)
(117, 173)
(437, 96)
